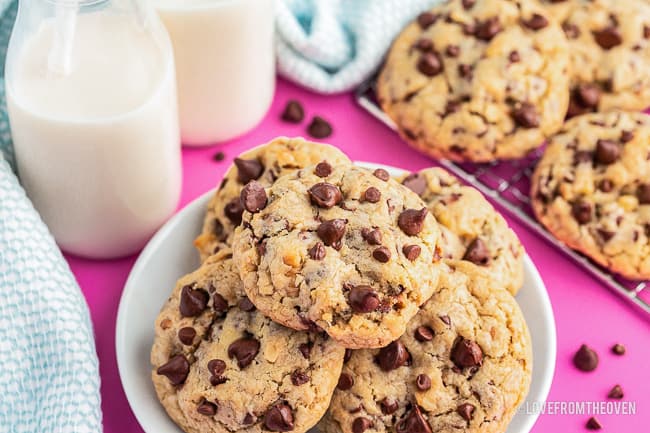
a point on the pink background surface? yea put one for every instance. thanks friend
(585, 312)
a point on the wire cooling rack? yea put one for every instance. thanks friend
(508, 183)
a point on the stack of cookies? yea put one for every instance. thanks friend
(333, 294)
(483, 80)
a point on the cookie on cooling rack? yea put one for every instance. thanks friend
(464, 364)
(471, 228)
(264, 164)
(219, 365)
(591, 189)
(350, 251)
(609, 45)
(477, 80)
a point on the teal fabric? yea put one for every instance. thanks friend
(49, 377)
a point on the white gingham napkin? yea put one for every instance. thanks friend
(332, 46)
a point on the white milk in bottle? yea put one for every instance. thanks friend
(92, 105)
(225, 65)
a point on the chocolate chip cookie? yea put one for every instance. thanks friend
(477, 80)
(591, 189)
(219, 365)
(471, 228)
(609, 45)
(464, 364)
(346, 249)
(264, 164)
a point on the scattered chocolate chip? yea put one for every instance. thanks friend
(299, 378)
(176, 369)
(585, 359)
(323, 169)
(488, 29)
(588, 95)
(607, 151)
(347, 355)
(388, 406)
(411, 221)
(372, 195)
(331, 231)
(452, 50)
(466, 410)
(526, 115)
(426, 19)
(581, 211)
(477, 252)
(325, 195)
(317, 252)
(361, 424)
(245, 304)
(373, 237)
(293, 112)
(536, 22)
(319, 128)
(593, 424)
(429, 64)
(514, 56)
(467, 4)
(345, 382)
(616, 392)
(609, 37)
(219, 156)
(193, 301)
(424, 45)
(414, 422)
(253, 197)
(618, 349)
(244, 350)
(219, 303)
(206, 408)
(411, 252)
(423, 382)
(363, 299)
(467, 353)
(423, 333)
(186, 335)
(305, 350)
(234, 211)
(248, 169)
(381, 254)
(393, 356)
(381, 174)
(279, 418)
(643, 193)
(571, 30)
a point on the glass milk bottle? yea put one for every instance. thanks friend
(225, 65)
(92, 105)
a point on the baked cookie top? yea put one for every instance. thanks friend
(471, 228)
(265, 164)
(591, 189)
(609, 46)
(477, 80)
(220, 366)
(348, 250)
(464, 364)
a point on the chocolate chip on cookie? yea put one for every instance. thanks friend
(411, 221)
(323, 169)
(244, 350)
(193, 301)
(363, 299)
(609, 37)
(372, 236)
(299, 378)
(426, 19)
(466, 410)
(234, 210)
(361, 424)
(248, 169)
(371, 195)
(607, 151)
(245, 304)
(477, 252)
(393, 356)
(412, 252)
(430, 64)
(206, 408)
(423, 382)
(413, 423)
(325, 195)
(176, 369)
(467, 353)
(279, 418)
(381, 254)
(253, 197)
(186, 335)
(331, 232)
(317, 252)
(423, 333)
(536, 22)
(526, 116)
(581, 211)
(346, 382)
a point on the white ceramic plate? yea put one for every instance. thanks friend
(170, 254)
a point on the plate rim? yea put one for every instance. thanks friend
(201, 201)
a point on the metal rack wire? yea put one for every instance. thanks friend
(508, 183)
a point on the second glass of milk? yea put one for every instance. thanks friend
(225, 65)
(91, 93)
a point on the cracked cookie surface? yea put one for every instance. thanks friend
(609, 46)
(264, 164)
(591, 189)
(470, 227)
(220, 366)
(477, 80)
(464, 364)
(350, 251)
